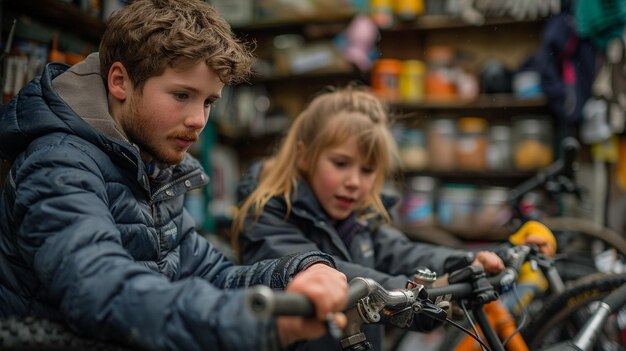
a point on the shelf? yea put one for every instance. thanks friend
(431, 22)
(60, 15)
(509, 179)
(472, 175)
(321, 76)
(427, 22)
(485, 101)
(294, 22)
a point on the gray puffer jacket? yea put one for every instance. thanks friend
(85, 238)
(375, 250)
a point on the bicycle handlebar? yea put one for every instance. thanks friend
(265, 302)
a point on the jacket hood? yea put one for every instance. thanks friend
(68, 100)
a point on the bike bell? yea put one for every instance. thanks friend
(422, 276)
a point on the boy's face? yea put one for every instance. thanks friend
(167, 116)
(342, 179)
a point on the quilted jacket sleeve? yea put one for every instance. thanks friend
(67, 234)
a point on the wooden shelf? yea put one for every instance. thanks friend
(60, 15)
(484, 101)
(295, 22)
(472, 175)
(432, 22)
(322, 76)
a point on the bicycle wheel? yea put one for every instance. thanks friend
(562, 316)
(580, 241)
(32, 334)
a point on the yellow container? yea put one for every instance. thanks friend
(412, 81)
(408, 10)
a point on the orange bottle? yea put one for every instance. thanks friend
(385, 79)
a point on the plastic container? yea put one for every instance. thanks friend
(381, 12)
(532, 143)
(418, 204)
(412, 150)
(385, 79)
(455, 208)
(441, 144)
(440, 84)
(471, 146)
(492, 211)
(412, 81)
(499, 148)
(408, 10)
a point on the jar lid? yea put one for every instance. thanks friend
(457, 191)
(423, 183)
(472, 124)
(413, 67)
(533, 126)
(445, 125)
(388, 66)
(500, 132)
(494, 195)
(439, 54)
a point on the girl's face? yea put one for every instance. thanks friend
(342, 179)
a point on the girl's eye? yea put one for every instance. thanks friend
(367, 170)
(340, 164)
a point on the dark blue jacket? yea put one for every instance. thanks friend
(376, 250)
(85, 238)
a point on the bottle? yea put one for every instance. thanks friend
(408, 10)
(381, 12)
(440, 144)
(471, 146)
(385, 79)
(412, 81)
(532, 138)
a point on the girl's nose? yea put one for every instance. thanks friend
(353, 180)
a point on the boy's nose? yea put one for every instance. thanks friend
(198, 119)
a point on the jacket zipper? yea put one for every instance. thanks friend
(170, 184)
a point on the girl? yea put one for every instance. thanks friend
(321, 191)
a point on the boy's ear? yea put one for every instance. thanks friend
(300, 159)
(117, 81)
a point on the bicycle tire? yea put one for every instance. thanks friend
(36, 334)
(549, 324)
(588, 228)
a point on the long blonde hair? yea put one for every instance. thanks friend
(329, 120)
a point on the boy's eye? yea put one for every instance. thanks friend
(208, 103)
(181, 96)
(367, 170)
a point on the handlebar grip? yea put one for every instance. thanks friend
(458, 289)
(359, 288)
(264, 302)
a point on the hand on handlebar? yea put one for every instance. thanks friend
(490, 261)
(535, 233)
(327, 289)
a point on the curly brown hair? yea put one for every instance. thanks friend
(149, 35)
